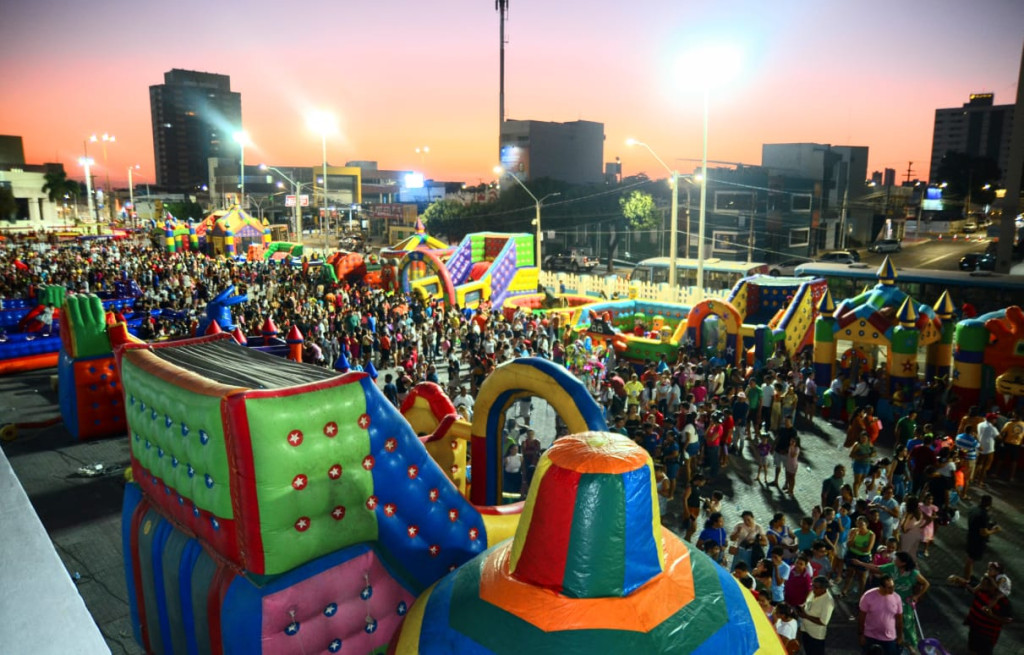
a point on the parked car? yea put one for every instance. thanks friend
(978, 261)
(886, 245)
(571, 261)
(969, 228)
(787, 267)
(840, 257)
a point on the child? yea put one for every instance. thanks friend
(663, 483)
(805, 536)
(786, 625)
(929, 509)
(764, 455)
(792, 464)
(715, 504)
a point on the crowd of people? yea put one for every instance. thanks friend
(702, 419)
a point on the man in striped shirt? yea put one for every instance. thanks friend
(967, 443)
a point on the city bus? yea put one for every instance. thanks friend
(985, 290)
(718, 273)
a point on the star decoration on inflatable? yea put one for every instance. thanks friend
(295, 437)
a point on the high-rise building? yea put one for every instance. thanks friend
(980, 128)
(569, 152)
(194, 117)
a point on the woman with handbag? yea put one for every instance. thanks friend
(748, 541)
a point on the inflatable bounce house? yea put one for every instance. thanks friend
(777, 311)
(88, 384)
(885, 317)
(484, 267)
(383, 273)
(283, 508)
(275, 251)
(30, 330)
(590, 570)
(229, 233)
(180, 236)
(988, 361)
(639, 330)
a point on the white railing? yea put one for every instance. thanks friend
(616, 286)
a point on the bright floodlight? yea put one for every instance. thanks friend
(711, 66)
(322, 122)
(85, 161)
(241, 137)
(498, 170)
(631, 142)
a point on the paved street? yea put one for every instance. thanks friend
(941, 254)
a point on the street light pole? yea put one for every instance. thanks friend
(674, 222)
(131, 192)
(703, 205)
(298, 191)
(537, 205)
(242, 137)
(105, 139)
(87, 162)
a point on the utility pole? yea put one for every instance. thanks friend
(910, 170)
(502, 8)
(1011, 201)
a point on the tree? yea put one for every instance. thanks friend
(184, 211)
(8, 205)
(639, 210)
(442, 216)
(56, 185)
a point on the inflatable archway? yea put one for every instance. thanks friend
(725, 311)
(509, 382)
(433, 262)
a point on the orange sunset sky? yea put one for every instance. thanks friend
(400, 74)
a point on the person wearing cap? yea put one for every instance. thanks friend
(990, 609)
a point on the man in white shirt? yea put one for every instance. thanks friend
(815, 615)
(988, 433)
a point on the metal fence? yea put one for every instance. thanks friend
(617, 286)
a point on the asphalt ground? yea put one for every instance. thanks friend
(82, 516)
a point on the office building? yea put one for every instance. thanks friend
(979, 128)
(569, 152)
(194, 118)
(838, 174)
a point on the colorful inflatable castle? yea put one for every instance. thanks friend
(882, 316)
(228, 233)
(988, 361)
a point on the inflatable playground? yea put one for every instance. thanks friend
(30, 329)
(283, 508)
(485, 267)
(762, 314)
(228, 233)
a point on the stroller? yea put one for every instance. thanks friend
(928, 646)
